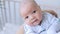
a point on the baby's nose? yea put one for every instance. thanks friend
(32, 17)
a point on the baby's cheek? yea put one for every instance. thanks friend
(27, 22)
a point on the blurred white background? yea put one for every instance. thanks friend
(9, 13)
(50, 4)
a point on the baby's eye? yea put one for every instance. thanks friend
(26, 17)
(34, 11)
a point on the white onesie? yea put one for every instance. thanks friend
(50, 25)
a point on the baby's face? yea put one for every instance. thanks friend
(32, 15)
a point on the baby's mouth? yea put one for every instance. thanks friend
(35, 20)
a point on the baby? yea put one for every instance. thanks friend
(36, 21)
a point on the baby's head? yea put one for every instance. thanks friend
(30, 12)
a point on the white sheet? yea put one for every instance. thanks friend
(9, 29)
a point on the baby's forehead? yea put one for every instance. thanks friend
(28, 11)
(26, 4)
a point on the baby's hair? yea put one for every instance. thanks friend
(25, 2)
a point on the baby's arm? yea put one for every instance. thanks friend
(58, 27)
(55, 28)
(51, 30)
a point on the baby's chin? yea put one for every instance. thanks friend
(34, 24)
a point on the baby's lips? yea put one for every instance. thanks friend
(34, 20)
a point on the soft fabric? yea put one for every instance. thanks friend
(49, 25)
